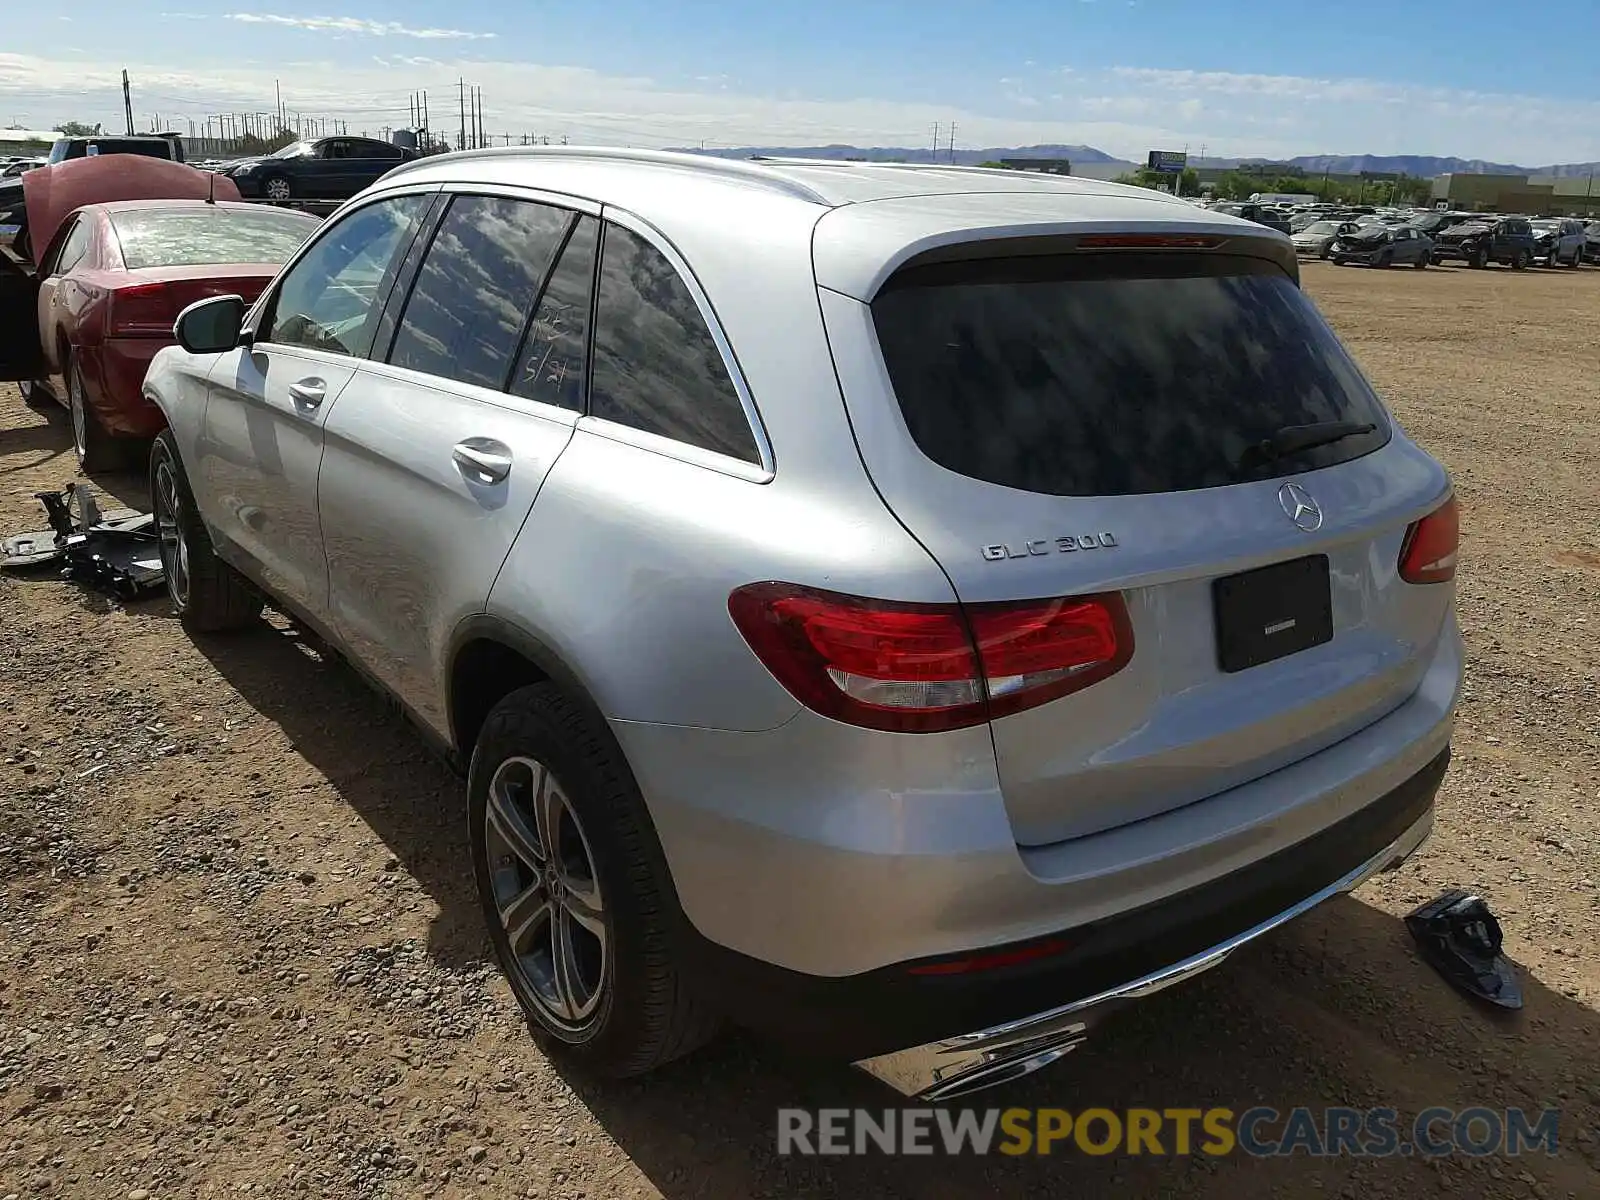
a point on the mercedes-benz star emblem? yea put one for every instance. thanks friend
(1297, 503)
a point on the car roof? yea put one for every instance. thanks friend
(728, 215)
(116, 206)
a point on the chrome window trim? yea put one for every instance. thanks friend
(741, 468)
(667, 447)
(474, 392)
(514, 191)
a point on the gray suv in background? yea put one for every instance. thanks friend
(907, 610)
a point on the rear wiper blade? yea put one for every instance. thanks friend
(1292, 439)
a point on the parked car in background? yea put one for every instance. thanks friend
(17, 166)
(1317, 238)
(154, 145)
(991, 696)
(1382, 246)
(1261, 214)
(333, 168)
(1591, 233)
(106, 290)
(1480, 241)
(1560, 241)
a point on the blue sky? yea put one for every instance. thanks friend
(1237, 76)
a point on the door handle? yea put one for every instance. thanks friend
(482, 460)
(308, 393)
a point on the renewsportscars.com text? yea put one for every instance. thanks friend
(1260, 1132)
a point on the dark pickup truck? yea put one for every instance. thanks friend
(1479, 242)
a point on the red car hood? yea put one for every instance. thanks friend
(54, 193)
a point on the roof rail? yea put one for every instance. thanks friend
(731, 168)
(945, 168)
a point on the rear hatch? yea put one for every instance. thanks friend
(1164, 420)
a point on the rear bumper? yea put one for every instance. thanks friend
(967, 1062)
(831, 853)
(871, 1018)
(114, 374)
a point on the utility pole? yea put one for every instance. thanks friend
(935, 141)
(952, 141)
(481, 141)
(127, 101)
(461, 95)
(278, 90)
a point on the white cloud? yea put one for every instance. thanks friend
(357, 25)
(1124, 110)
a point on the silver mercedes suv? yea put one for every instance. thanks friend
(906, 610)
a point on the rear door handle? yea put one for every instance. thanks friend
(308, 393)
(482, 460)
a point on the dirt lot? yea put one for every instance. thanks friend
(241, 953)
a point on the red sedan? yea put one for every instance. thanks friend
(111, 283)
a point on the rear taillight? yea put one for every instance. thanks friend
(920, 668)
(1428, 554)
(144, 310)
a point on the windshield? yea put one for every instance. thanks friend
(1323, 227)
(295, 150)
(58, 152)
(1115, 375)
(1547, 224)
(192, 237)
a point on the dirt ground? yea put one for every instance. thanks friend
(241, 954)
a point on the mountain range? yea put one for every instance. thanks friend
(1415, 165)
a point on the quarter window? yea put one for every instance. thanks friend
(75, 249)
(330, 299)
(550, 369)
(656, 366)
(465, 316)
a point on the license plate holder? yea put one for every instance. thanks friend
(1272, 612)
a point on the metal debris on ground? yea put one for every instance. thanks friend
(1460, 938)
(117, 552)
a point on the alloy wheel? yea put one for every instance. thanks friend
(277, 189)
(77, 405)
(547, 894)
(169, 527)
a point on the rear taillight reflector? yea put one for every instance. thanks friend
(918, 668)
(993, 960)
(1431, 546)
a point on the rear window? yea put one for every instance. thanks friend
(1083, 375)
(201, 236)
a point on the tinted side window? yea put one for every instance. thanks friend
(330, 299)
(656, 366)
(551, 367)
(465, 315)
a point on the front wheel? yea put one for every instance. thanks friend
(574, 888)
(208, 595)
(1386, 260)
(277, 187)
(33, 395)
(1520, 260)
(1422, 262)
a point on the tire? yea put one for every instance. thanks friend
(1386, 261)
(96, 449)
(1577, 258)
(1520, 260)
(277, 187)
(208, 595)
(33, 395)
(629, 1009)
(1479, 260)
(1422, 262)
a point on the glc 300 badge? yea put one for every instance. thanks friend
(1040, 547)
